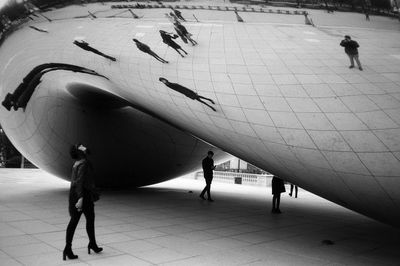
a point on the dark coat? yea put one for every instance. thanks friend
(143, 47)
(82, 184)
(350, 47)
(185, 91)
(208, 167)
(168, 39)
(278, 186)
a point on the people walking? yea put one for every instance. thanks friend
(82, 196)
(351, 49)
(85, 46)
(183, 33)
(208, 167)
(168, 40)
(278, 187)
(178, 14)
(146, 49)
(187, 92)
(295, 190)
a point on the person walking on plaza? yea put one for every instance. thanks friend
(183, 33)
(278, 187)
(295, 190)
(85, 46)
(146, 49)
(82, 196)
(208, 167)
(187, 92)
(168, 40)
(178, 14)
(351, 49)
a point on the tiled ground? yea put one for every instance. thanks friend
(165, 224)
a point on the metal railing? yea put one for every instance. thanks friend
(238, 178)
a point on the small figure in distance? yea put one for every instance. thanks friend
(183, 33)
(239, 18)
(295, 190)
(208, 167)
(187, 92)
(146, 49)
(351, 49)
(85, 46)
(82, 196)
(367, 15)
(178, 14)
(278, 187)
(167, 39)
(38, 29)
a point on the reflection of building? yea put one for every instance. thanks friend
(238, 165)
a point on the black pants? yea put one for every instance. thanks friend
(207, 188)
(88, 211)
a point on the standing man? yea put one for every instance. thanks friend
(146, 49)
(208, 167)
(351, 49)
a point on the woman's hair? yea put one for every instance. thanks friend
(75, 152)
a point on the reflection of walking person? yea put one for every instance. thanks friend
(187, 92)
(85, 46)
(278, 187)
(351, 49)
(167, 39)
(239, 18)
(146, 49)
(295, 190)
(178, 14)
(208, 167)
(183, 33)
(82, 194)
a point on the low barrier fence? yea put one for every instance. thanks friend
(238, 178)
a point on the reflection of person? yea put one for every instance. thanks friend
(351, 49)
(178, 14)
(167, 39)
(183, 33)
(146, 49)
(208, 167)
(85, 46)
(82, 194)
(295, 190)
(187, 92)
(278, 187)
(239, 18)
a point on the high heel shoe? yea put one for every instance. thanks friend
(94, 247)
(68, 253)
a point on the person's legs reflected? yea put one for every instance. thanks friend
(358, 62)
(212, 108)
(351, 61)
(208, 99)
(296, 189)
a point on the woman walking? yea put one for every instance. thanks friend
(82, 196)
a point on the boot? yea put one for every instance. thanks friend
(94, 247)
(68, 253)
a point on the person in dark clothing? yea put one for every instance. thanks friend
(146, 49)
(82, 196)
(183, 33)
(178, 14)
(167, 39)
(278, 187)
(351, 49)
(208, 167)
(367, 15)
(238, 18)
(85, 46)
(38, 29)
(24, 91)
(295, 190)
(187, 92)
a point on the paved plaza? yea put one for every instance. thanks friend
(165, 224)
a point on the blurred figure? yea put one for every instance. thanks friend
(146, 49)
(208, 167)
(183, 33)
(351, 49)
(295, 190)
(167, 39)
(278, 187)
(178, 14)
(85, 46)
(239, 18)
(82, 196)
(187, 92)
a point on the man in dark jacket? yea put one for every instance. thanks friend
(146, 49)
(351, 49)
(208, 167)
(187, 92)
